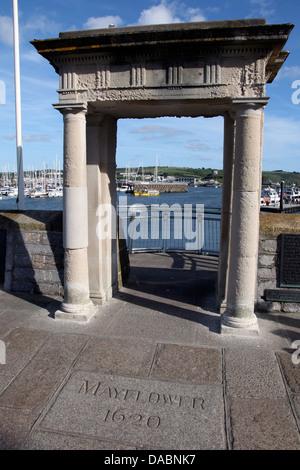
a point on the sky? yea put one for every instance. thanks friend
(183, 142)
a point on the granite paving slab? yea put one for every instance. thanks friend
(193, 364)
(290, 370)
(44, 440)
(20, 345)
(137, 411)
(253, 373)
(14, 427)
(263, 424)
(33, 386)
(113, 356)
(146, 324)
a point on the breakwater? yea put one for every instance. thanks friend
(162, 187)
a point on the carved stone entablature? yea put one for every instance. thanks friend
(192, 61)
(239, 71)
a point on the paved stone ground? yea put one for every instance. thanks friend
(150, 371)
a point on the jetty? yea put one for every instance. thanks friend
(162, 187)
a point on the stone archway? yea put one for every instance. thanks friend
(194, 69)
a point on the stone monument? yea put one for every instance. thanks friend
(194, 69)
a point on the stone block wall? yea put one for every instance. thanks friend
(34, 252)
(34, 262)
(272, 226)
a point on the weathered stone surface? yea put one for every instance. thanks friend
(266, 261)
(20, 346)
(268, 245)
(245, 379)
(14, 427)
(291, 307)
(201, 365)
(273, 225)
(296, 403)
(116, 356)
(43, 373)
(291, 371)
(265, 424)
(43, 440)
(139, 412)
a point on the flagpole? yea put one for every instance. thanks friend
(20, 200)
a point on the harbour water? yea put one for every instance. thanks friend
(209, 196)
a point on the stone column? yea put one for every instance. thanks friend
(239, 316)
(102, 206)
(77, 305)
(108, 145)
(228, 166)
(94, 122)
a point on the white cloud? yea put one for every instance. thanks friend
(196, 145)
(6, 30)
(262, 8)
(159, 14)
(39, 23)
(30, 138)
(102, 22)
(150, 131)
(173, 12)
(292, 72)
(281, 142)
(164, 13)
(194, 14)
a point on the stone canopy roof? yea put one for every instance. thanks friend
(176, 38)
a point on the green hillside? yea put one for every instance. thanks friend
(178, 172)
(275, 176)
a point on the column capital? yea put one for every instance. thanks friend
(249, 103)
(71, 108)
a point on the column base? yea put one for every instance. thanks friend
(76, 313)
(239, 326)
(97, 298)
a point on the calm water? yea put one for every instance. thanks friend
(210, 197)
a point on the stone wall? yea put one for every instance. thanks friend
(34, 253)
(34, 260)
(272, 226)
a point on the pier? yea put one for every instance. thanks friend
(162, 187)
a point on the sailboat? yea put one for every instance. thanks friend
(145, 190)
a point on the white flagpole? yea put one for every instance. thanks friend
(20, 200)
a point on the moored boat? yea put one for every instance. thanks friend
(147, 192)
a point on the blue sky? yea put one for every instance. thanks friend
(175, 142)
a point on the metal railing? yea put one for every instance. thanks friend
(166, 229)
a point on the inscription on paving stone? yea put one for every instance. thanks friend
(290, 261)
(140, 412)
